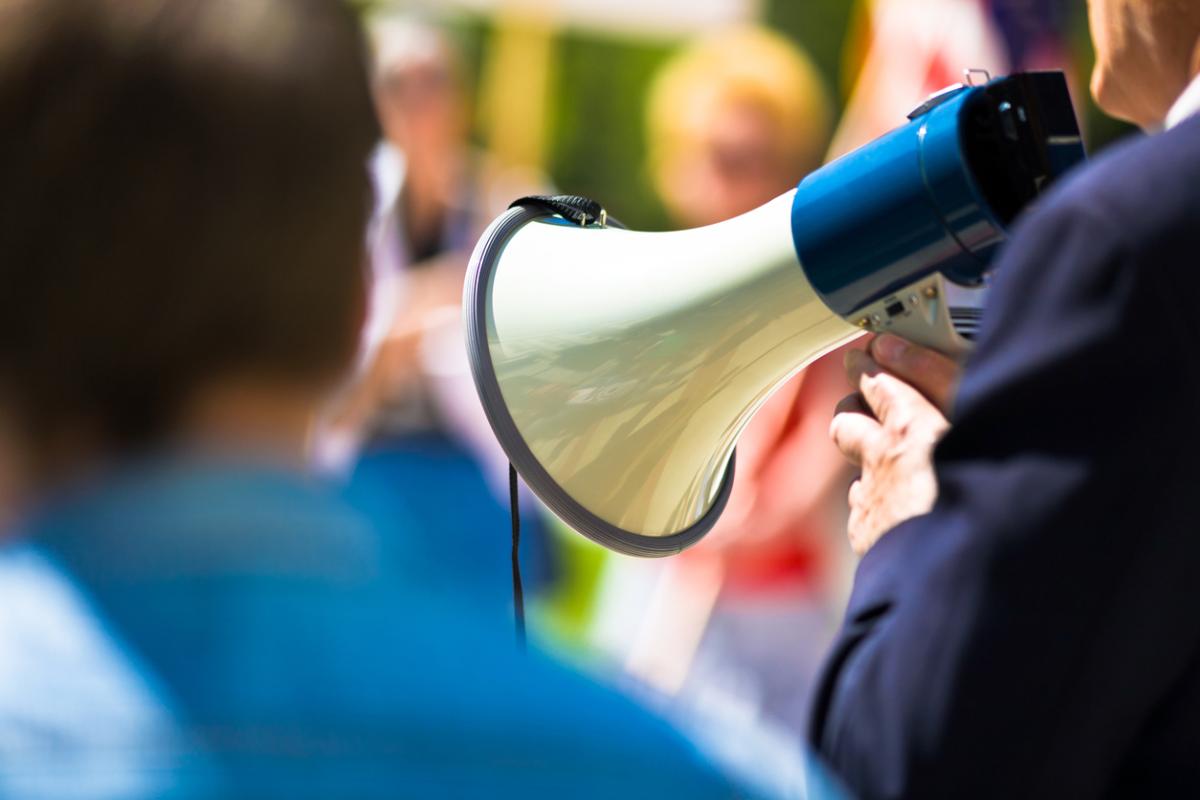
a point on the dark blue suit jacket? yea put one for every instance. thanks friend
(1038, 633)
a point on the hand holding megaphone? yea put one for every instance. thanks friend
(617, 368)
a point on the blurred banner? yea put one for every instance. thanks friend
(635, 18)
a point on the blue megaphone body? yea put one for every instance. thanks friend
(936, 195)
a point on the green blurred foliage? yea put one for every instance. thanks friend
(820, 27)
(598, 146)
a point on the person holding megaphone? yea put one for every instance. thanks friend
(1024, 621)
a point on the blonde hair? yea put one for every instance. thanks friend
(747, 65)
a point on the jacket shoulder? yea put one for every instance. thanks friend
(1145, 191)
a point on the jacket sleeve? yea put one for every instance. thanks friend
(997, 646)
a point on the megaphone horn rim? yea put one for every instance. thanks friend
(557, 499)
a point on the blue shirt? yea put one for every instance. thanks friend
(77, 713)
(308, 665)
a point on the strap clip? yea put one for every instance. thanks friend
(582, 211)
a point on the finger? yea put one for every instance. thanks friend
(931, 373)
(852, 404)
(895, 403)
(853, 434)
(856, 527)
(855, 496)
(857, 364)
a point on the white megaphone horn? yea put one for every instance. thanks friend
(618, 368)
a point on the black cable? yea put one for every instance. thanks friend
(518, 592)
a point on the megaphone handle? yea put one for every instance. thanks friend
(921, 313)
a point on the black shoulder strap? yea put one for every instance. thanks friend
(582, 211)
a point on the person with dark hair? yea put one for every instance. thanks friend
(185, 191)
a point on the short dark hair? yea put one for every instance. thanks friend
(184, 190)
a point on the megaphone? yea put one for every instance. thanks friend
(617, 368)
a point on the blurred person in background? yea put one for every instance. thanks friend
(410, 431)
(741, 621)
(181, 247)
